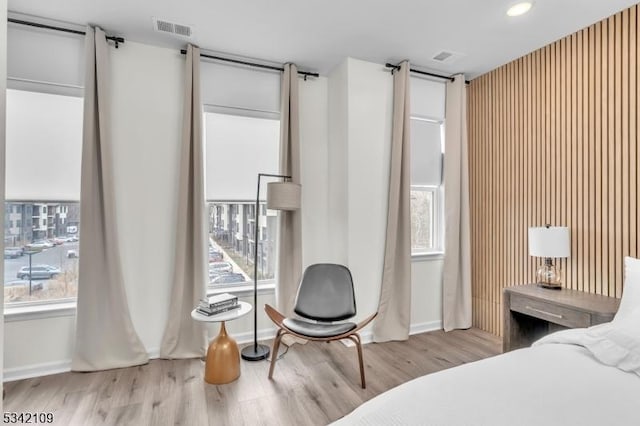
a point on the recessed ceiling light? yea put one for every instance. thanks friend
(519, 8)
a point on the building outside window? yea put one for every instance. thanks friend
(42, 211)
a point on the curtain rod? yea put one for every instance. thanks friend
(252, 64)
(116, 40)
(430, 74)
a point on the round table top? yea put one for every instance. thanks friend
(244, 309)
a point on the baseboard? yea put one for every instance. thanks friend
(45, 369)
(247, 337)
(423, 327)
(36, 370)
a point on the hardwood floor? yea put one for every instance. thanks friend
(313, 384)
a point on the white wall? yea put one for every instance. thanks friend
(314, 160)
(3, 90)
(337, 155)
(370, 99)
(147, 121)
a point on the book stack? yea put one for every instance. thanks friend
(217, 304)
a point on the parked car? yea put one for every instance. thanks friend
(230, 278)
(72, 238)
(215, 256)
(39, 245)
(38, 272)
(36, 245)
(72, 254)
(13, 252)
(219, 268)
(59, 240)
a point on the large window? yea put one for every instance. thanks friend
(427, 154)
(42, 212)
(237, 149)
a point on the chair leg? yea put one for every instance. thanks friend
(274, 351)
(356, 339)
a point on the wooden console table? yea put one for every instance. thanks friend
(531, 312)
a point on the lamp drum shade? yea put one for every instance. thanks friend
(553, 241)
(283, 196)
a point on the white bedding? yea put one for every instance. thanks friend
(558, 381)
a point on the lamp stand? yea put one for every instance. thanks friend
(548, 276)
(257, 352)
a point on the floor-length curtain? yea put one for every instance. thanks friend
(105, 337)
(289, 268)
(394, 311)
(456, 303)
(3, 104)
(184, 337)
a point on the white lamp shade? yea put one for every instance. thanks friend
(283, 196)
(553, 241)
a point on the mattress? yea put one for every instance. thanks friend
(559, 383)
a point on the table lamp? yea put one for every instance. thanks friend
(549, 242)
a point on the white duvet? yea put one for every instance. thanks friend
(575, 377)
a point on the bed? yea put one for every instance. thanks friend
(573, 377)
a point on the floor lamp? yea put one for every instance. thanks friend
(280, 196)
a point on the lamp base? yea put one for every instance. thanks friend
(255, 353)
(547, 275)
(554, 286)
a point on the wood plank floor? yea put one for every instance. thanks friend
(313, 384)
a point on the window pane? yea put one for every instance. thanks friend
(231, 243)
(41, 251)
(422, 217)
(42, 212)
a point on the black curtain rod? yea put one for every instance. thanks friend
(430, 74)
(253, 64)
(115, 39)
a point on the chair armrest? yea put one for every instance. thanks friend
(274, 315)
(364, 322)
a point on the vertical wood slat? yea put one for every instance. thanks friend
(553, 138)
(633, 134)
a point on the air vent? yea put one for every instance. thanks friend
(164, 26)
(442, 56)
(182, 30)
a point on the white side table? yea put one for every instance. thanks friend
(222, 364)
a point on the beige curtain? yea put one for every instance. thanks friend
(289, 269)
(184, 337)
(456, 293)
(3, 92)
(394, 310)
(105, 337)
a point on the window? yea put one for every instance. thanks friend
(44, 136)
(427, 154)
(237, 149)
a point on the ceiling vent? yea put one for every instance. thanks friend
(164, 26)
(443, 56)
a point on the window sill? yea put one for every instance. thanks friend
(68, 309)
(426, 257)
(244, 290)
(39, 311)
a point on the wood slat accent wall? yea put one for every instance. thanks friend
(553, 138)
